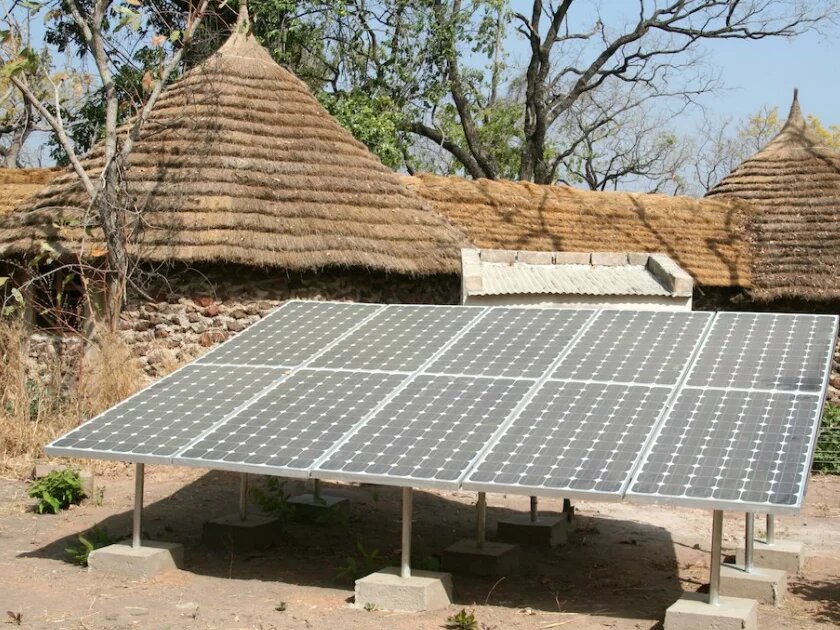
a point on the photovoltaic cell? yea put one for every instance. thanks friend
(572, 436)
(291, 334)
(512, 342)
(634, 347)
(399, 338)
(732, 446)
(765, 351)
(165, 417)
(297, 422)
(430, 431)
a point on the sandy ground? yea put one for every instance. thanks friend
(623, 566)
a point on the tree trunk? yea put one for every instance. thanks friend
(111, 207)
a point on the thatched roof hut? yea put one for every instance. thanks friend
(707, 238)
(18, 184)
(239, 163)
(794, 185)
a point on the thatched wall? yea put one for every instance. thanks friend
(18, 184)
(708, 239)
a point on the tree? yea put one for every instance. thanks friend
(101, 32)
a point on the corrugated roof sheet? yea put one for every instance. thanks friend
(501, 279)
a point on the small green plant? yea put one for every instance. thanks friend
(370, 607)
(273, 499)
(361, 563)
(96, 538)
(827, 455)
(57, 491)
(426, 563)
(280, 607)
(462, 621)
(99, 500)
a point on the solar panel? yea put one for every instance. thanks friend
(678, 407)
(430, 432)
(155, 423)
(765, 351)
(512, 342)
(740, 447)
(399, 338)
(572, 437)
(634, 347)
(294, 424)
(291, 334)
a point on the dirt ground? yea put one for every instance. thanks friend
(623, 565)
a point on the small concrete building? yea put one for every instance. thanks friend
(573, 279)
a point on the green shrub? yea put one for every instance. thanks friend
(827, 456)
(462, 621)
(361, 563)
(57, 491)
(94, 539)
(273, 499)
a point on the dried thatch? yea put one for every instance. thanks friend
(240, 163)
(707, 238)
(794, 185)
(18, 184)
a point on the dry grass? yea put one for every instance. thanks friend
(35, 409)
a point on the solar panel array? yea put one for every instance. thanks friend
(675, 407)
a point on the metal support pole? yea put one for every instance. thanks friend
(771, 529)
(717, 544)
(316, 490)
(405, 562)
(243, 497)
(749, 541)
(137, 528)
(534, 512)
(481, 520)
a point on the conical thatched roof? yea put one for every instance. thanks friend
(240, 163)
(794, 185)
(709, 239)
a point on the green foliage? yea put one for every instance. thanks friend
(57, 491)
(273, 499)
(426, 563)
(96, 538)
(462, 621)
(370, 606)
(372, 119)
(827, 456)
(361, 563)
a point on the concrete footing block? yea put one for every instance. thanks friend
(783, 555)
(231, 533)
(491, 559)
(310, 509)
(152, 558)
(424, 590)
(546, 531)
(767, 586)
(693, 612)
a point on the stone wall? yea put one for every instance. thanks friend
(197, 309)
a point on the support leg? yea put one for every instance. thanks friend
(243, 497)
(405, 562)
(714, 573)
(481, 520)
(316, 490)
(534, 509)
(137, 526)
(749, 541)
(771, 530)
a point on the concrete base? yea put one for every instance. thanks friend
(548, 531)
(152, 558)
(424, 590)
(42, 469)
(327, 506)
(493, 558)
(783, 555)
(231, 533)
(767, 586)
(693, 612)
